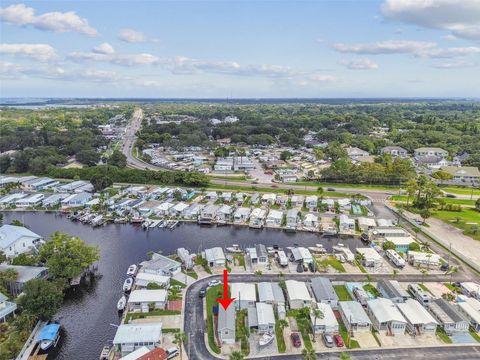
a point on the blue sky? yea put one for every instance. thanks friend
(387, 48)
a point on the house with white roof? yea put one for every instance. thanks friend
(417, 258)
(346, 225)
(15, 240)
(186, 258)
(354, 317)
(370, 257)
(297, 200)
(241, 215)
(225, 214)
(311, 202)
(130, 337)
(76, 199)
(208, 214)
(326, 323)
(164, 208)
(268, 198)
(470, 288)
(470, 308)
(6, 307)
(385, 316)
(274, 218)
(160, 264)
(257, 218)
(292, 218)
(297, 294)
(30, 201)
(245, 295)
(143, 279)
(310, 221)
(262, 318)
(302, 255)
(365, 224)
(215, 257)
(178, 209)
(193, 211)
(419, 320)
(141, 300)
(11, 199)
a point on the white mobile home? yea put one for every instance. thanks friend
(297, 294)
(245, 295)
(130, 337)
(241, 215)
(385, 316)
(354, 317)
(274, 218)
(326, 323)
(141, 300)
(419, 320)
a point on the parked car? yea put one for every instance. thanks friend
(450, 196)
(330, 189)
(338, 341)
(311, 267)
(172, 352)
(274, 186)
(202, 293)
(296, 342)
(328, 340)
(300, 268)
(444, 267)
(214, 283)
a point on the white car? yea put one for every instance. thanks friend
(172, 352)
(214, 283)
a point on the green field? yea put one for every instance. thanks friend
(212, 293)
(342, 185)
(460, 190)
(461, 220)
(463, 202)
(342, 293)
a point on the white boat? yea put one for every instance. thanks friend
(341, 245)
(173, 224)
(121, 303)
(97, 221)
(154, 223)
(132, 270)
(104, 355)
(317, 249)
(234, 249)
(127, 285)
(266, 339)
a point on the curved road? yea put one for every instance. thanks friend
(195, 325)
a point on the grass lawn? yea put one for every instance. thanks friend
(453, 288)
(212, 293)
(353, 344)
(342, 185)
(333, 262)
(239, 260)
(139, 315)
(464, 217)
(282, 347)
(252, 188)
(304, 327)
(191, 273)
(342, 293)
(174, 282)
(443, 336)
(232, 178)
(474, 334)
(463, 202)
(241, 331)
(371, 289)
(374, 333)
(460, 190)
(203, 263)
(360, 266)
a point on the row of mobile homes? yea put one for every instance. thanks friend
(470, 308)
(262, 318)
(271, 293)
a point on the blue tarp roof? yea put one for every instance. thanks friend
(48, 332)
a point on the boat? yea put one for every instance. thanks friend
(173, 224)
(146, 224)
(132, 270)
(235, 248)
(121, 303)
(121, 220)
(49, 336)
(266, 339)
(317, 249)
(137, 220)
(127, 285)
(97, 221)
(154, 223)
(104, 355)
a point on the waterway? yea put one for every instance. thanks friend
(88, 316)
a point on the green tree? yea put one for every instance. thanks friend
(388, 245)
(24, 259)
(88, 157)
(285, 155)
(414, 246)
(101, 181)
(477, 204)
(317, 314)
(66, 256)
(442, 176)
(236, 355)
(5, 162)
(425, 214)
(180, 339)
(42, 298)
(309, 354)
(117, 159)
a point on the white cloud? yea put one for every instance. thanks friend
(104, 48)
(460, 17)
(132, 36)
(40, 52)
(323, 78)
(359, 64)
(450, 52)
(454, 65)
(11, 71)
(385, 47)
(96, 75)
(20, 14)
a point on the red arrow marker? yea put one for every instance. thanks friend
(226, 301)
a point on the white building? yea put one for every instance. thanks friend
(130, 337)
(422, 258)
(164, 208)
(268, 198)
(371, 258)
(226, 325)
(297, 294)
(245, 295)
(143, 279)
(15, 240)
(241, 215)
(354, 317)
(292, 218)
(302, 255)
(215, 257)
(419, 320)
(385, 316)
(365, 224)
(346, 224)
(274, 218)
(257, 218)
(326, 323)
(265, 318)
(140, 300)
(448, 317)
(224, 214)
(470, 289)
(311, 202)
(310, 221)
(178, 209)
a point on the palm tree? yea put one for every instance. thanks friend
(452, 270)
(317, 314)
(395, 272)
(236, 355)
(282, 323)
(424, 272)
(180, 339)
(309, 354)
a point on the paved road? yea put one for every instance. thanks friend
(195, 326)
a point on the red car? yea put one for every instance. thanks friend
(296, 340)
(338, 340)
(274, 186)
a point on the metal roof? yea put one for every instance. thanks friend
(354, 312)
(323, 290)
(415, 313)
(138, 333)
(385, 310)
(226, 318)
(10, 234)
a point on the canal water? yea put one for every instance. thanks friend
(89, 315)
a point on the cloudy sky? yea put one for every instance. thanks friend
(388, 48)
